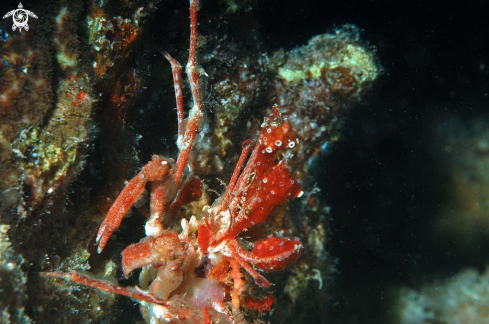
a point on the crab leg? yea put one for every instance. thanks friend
(190, 134)
(259, 279)
(195, 114)
(246, 149)
(191, 191)
(232, 183)
(204, 234)
(248, 169)
(192, 68)
(162, 191)
(135, 294)
(106, 286)
(238, 284)
(221, 308)
(153, 250)
(119, 209)
(156, 169)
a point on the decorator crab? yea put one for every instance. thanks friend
(194, 275)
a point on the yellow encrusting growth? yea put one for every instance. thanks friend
(339, 59)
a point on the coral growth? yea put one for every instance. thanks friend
(26, 91)
(238, 84)
(49, 89)
(44, 148)
(461, 299)
(340, 60)
(315, 85)
(319, 82)
(12, 282)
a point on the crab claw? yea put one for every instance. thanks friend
(106, 286)
(270, 254)
(274, 253)
(156, 169)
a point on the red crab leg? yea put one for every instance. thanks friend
(195, 113)
(259, 279)
(151, 251)
(106, 286)
(162, 191)
(246, 149)
(207, 316)
(191, 132)
(191, 69)
(221, 308)
(232, 183)
(248, 169)
(191, 191)
(119, 209)
(156, 208)
(128, 292)
(204, 234)
(259, 305)
(238, 284)
(156, 169)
